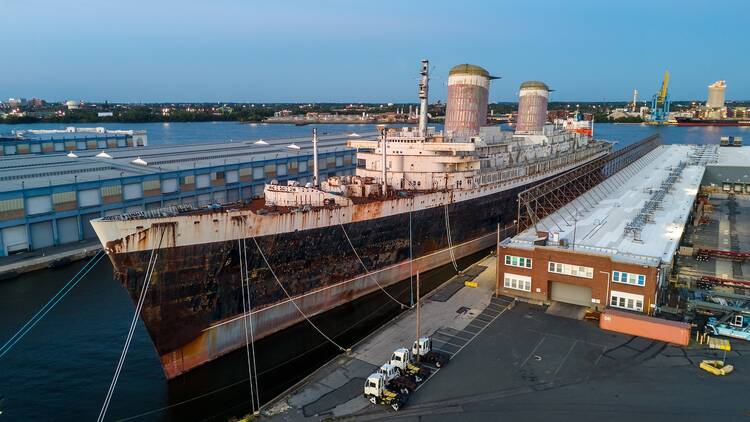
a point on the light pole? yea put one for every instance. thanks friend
(607, 298)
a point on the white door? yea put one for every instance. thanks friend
(570, 293)
(15, 239)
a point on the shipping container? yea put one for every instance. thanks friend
(645, 326)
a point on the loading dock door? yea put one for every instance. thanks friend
(570, 293)
(15, 239)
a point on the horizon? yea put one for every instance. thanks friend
(235, 52)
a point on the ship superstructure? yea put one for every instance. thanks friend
(420, 199)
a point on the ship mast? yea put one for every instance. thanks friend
(315, 157)
(423, 88)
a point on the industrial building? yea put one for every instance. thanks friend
(49, 199)
(612, 246)
(70, 139)
(731, 171)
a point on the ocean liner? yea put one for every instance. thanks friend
(420, 199)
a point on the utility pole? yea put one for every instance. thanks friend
(497, 265)
(418, 316)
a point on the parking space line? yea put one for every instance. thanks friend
(532, 351)
(604, 350)
(478, 324)
(448, 342)
(564, 359)
(477, 317)
(565, 338)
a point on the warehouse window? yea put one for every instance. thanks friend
(517, 282)
(628, 278)
(517, 261)
(574, 270)
(626, 301)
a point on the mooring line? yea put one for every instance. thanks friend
(134, 322)
(367, 272)
(292, 300)
(44, 310)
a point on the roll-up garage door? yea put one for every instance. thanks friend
(570, 293)
(14, 239)
(39, 205)
(202, 181)
(220, 197)
(41, 235)
(204, 199)
(88, 197)
(232, 176)
(67, 230)
(88, 229)
(233, 195)
(169, 185)
(132, 191)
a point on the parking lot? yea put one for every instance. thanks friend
(528, 365)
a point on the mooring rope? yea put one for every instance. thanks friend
(252, 329)
(448, 236)
(133, 323)
(367, 272)
(44, 310)
(292, 300)
(241, 251)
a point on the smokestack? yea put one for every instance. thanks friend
(468, 95)
(315, 157)
(423, 88)
(532, 107)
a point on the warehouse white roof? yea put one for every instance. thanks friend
(733, 156)
(596, 222)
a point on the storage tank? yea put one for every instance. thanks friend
(532, 107)
(468, 93)
(716, 94)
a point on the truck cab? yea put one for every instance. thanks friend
(400, 359)
(396, 381)
(422, 350)
(378, 393)
(374, 386)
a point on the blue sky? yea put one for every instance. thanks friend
(315, 51)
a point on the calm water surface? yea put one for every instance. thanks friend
(62, 368)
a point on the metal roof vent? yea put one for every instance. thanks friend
(261, 142)
(140, 161)
(71, 154)
(103, 155)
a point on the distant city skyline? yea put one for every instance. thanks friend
(335, 51)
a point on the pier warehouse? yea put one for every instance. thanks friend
(48, 199)
(614, 245)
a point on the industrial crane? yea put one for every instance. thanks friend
(660, 103)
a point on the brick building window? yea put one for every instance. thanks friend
(574, 270)
(628, 278)
(518, 282)
(626, 301)
(517, 261)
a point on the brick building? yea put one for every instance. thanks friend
(614, 246)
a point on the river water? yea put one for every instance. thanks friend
(61, 370)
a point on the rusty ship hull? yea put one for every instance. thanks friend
(193, 309)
